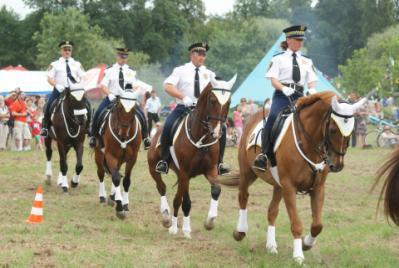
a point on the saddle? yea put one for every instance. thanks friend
(103, 116)
(55, 106)
(174, 128)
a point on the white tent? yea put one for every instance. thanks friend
(31, 82)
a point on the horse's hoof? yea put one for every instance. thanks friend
(299, 260)
(272, 249)
(111, 200)
(48, 180)
(74, 184)
(306, 247)
(187, 235)
(126, 207)
(166, 222)
(210, 224)
(65, 190)
(238, 236)
(102, 199)
(121, 214)
(173, 230)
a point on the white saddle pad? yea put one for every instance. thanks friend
(255, 138)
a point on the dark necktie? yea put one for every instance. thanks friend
(121, 80)
(296, 73)
(69, 74)
(196, 83)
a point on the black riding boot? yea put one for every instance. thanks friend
(222, 169)
(45, 124)
(93, 133)
(144, 130)
(260, 161)
(162, 165)
(88, 107)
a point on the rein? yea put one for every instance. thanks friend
(70, 117)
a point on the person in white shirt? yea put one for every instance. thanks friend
(289, 72)
(62, 73)
(185, 84)
(152, 108)
(117, 79)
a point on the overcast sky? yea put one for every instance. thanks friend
(213, 7)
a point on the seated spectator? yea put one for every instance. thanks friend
(390, 137)
(4, 117)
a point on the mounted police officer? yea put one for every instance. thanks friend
(62, 74)
(185, 84)
(118, 78)
(289, 72)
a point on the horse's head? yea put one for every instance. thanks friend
(338, 131)
(213, 104)
(125, 111)
(74, 98)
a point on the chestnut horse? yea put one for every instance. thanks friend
(120, 143)
(69, 124)
(315, 142)
(195, 152)
(390, 188)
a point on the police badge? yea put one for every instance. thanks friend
(206, 76)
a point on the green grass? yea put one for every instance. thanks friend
(78, 231)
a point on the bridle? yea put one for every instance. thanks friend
(71, 117)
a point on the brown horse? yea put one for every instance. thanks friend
(314, 143)
(69, 124)
(195, 152)
(120, 144)
(390, 188)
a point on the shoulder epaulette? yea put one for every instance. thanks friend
(278, 54)
(305, 56)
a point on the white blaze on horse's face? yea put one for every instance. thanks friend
(343, 115)
(78, 94)
(223, 89)
(128, 100)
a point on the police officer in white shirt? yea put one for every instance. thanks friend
(117, 79)
(61, 75)
(289, 72)
(185, 84)
(152, 108)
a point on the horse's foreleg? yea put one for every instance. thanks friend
(79, 165)
(289, 195)
(63, 166)
(112, 164)
(215, 193)
(316, 200)
(126, 184)
(271, 244)
(99, 158)
(186, 207)
(49, 153)
(182, 188)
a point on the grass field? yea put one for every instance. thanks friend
(79, 232)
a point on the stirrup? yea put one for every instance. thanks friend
(92, 142)
(44, 132)
(222, 170)
(260, 162)
(162, 167)
(147, 143)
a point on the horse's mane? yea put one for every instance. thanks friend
(311, 99)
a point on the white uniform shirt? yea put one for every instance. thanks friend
(281, 68)
(58, 72)
(152, 105)
(111, 78)
(183, 77)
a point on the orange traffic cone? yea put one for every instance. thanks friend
(36, 215)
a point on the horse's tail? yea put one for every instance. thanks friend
(390, 189)
(231, 180)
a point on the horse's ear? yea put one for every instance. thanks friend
(356, 106)
(232, 81)
(334, 103)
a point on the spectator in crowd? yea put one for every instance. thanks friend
(238, 123)
(244, 110)
(352, 98)
(361, 118)
(152, 109)
(268, 103)
(30, 110)
(36, 126)
(252, 107)
(40, 104)
(4, 117)
(21, 132)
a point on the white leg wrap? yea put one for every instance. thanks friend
(271, 244)
(59, 180)
(309, 240)
(101, 190)
(164, 204)
(118, 195)
(186, 227)
(242, 225)
(112, 189)
(64, 181)
(213, 209)
(49, 171)
(125, 196)
(173, 227)
(76, 178)
(298, 253)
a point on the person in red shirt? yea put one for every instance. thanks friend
(21, 132)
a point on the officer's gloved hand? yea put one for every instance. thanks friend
(288, 91)
(59, 88)
(111, 97)
(187, 101)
